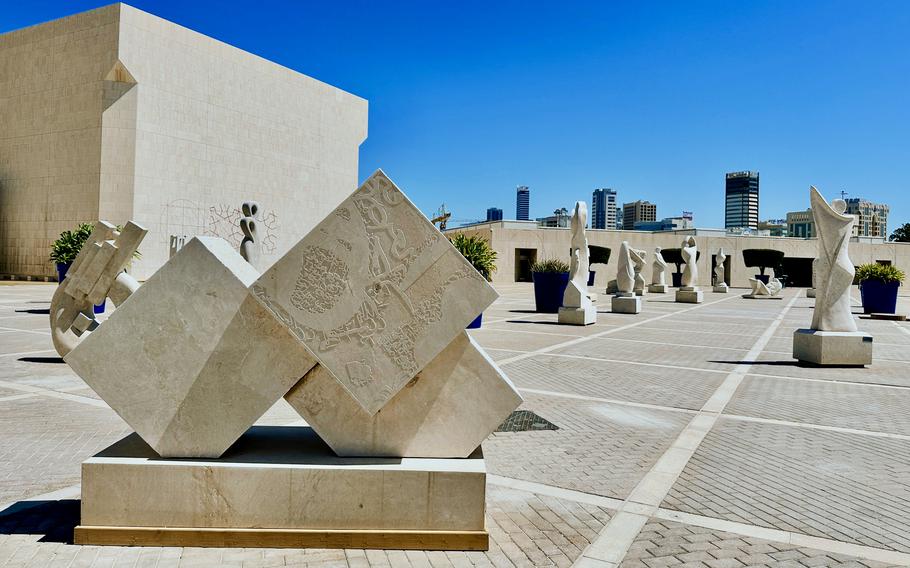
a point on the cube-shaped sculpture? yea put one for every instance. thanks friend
(191, 359)
(446, 411)
(375, 292)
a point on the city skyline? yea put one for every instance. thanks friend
(630, 96)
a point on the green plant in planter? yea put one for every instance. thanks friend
(478, 252)
(550, 265)
(69, 243)
(882, 272)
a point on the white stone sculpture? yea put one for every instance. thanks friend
(658, 273)
(625, 301)
(833, 338)
(577, 307)
(249, 246)
(369, 309)
(762, 291)
(720, 272)
(689, 292)
(97, 272)
(638, 263)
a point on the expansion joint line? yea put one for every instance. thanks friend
(614, 541)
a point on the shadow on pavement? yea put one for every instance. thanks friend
(54, 519)
(41, 359)
(37, 311)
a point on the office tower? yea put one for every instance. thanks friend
(871, 218)
(603, 209)
(741, 200)
(494, 214)
(522, 203)
(637, 212)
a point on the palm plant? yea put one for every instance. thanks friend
(478, 252)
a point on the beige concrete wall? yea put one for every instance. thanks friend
(118, 114)
(556, 243)
(50, 132)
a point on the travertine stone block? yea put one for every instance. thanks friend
(191, 360)
(375, 292)
(721, 289)
(446, 411)
(658, 288)
(832, 348)
(626, 304)
(690, 296)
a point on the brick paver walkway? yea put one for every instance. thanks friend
(687, 437)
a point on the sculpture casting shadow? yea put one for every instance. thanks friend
(35, 311)
(52, 360)
(54, 519)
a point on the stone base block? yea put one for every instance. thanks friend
(690, 296)
(832, 348)
(722, 289)
(578, 316)
(626, 304)
(658, 288)
(761, 297)
(281, 486)
(810, 292)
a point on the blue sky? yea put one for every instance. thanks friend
(655, 99)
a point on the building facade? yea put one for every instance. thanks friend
(871, 218)
(638, 212)
(522, 203)
(603, 209)
(494, 214)
(801, 224)
(117, 114)
(665, 224)
(741, 200)
(774, 227)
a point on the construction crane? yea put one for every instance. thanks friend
(441, 217)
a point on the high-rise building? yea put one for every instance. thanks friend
(494, 214)
(871, 218)
(522, 203)
(637, 212)
(741, 200)
(603, 209)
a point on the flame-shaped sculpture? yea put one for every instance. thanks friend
(833, 269)
(625, 275)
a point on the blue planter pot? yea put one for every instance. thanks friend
(549, 288)
(879, 297)
(62, 269)
(476, 323)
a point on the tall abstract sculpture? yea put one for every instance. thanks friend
(97, 272)
(625, 301)
(369, 308)
(249, 246)
(833, 338)
(577, 307)
(658, 273)
(720, 272)
(689, 293)
(638, 263)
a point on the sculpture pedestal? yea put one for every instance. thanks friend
(832, 348)
(657, 288)
(626, 304)
(810, 292)
(281, 487)
(721, 289)
(578, 316)
(690, 295)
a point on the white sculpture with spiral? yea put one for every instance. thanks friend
(833, 338)
(720, 272)
(625, 301)
(577, 307)
(689, 292)
(658, 273)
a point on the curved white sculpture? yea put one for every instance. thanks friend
(638, 263)
(720, 271)
(690, 256)
(577, 307)
(659, 269)
(759, 288)
(834, 270)
(625, 274)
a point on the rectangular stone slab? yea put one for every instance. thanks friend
(281, 478)
(832, 348)
(191, 360)
(447, 410)
(374, 291)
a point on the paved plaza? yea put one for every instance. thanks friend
(686, 436)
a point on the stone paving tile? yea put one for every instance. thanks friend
(635, 383)
(600, 448)
(668, 543)
(685, 336)
(697, 357)
(826, 403)
(847, 487)
(879, 372)
(520, 341)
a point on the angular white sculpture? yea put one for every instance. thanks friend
(577, 307)
(762, 291)
(720, 272)
(658, 274)
(833, 338)
(192, 360)
(625, 301)
(638, 263)
(97, 272)
(689, 292)
(374, 291)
